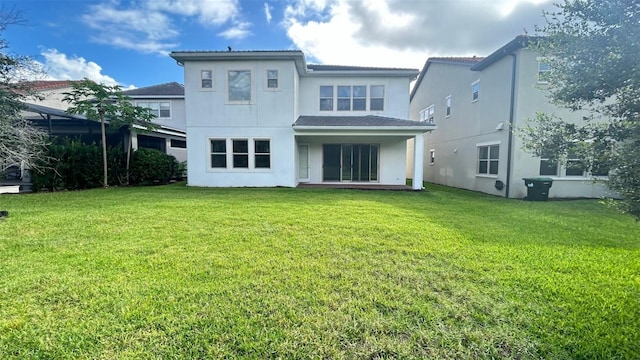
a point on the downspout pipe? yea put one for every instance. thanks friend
(512, 105)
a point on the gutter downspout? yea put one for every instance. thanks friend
(511, 124)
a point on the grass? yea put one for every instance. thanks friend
(177, 272)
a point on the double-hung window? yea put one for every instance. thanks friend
(488, 159)
(544, 71)
(359, 98)
(376, 102)
(240, 153)
(272, 79)
(262, 154)
(344, 98)
(447, 104)
(218, 153)
(427, 114)
(475, 91)
(547, 166)
(326, 98)
(206, 79)
(432, 156)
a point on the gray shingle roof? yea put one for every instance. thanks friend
(317, 67)
(364, 121)
(167, 89)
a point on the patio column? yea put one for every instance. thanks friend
(418, 161)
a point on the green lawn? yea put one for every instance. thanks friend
(177, 272)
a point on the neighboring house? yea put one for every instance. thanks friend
(166, 102)
(473, 101)
(266, 118)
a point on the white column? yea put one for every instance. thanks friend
(418, 161)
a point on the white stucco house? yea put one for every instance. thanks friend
(473, 100)
(266, 118)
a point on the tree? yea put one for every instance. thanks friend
(104, 103)
(21, 143)
(592, 47)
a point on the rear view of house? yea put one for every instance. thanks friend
(266, 118)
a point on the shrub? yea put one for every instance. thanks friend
(152, 167)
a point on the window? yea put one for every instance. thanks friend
(359, 98)
(447, 104)
(176, 143)
(575, 166)
(344, 98)
(160, 109)
(218, 153)
(475, 91)
(547, 166)
(326, 98)
(544, 70)
(206, 79)
(432, 156)
(240, 153)
(239, 85)
(272, 79)
(427, 114)
(377, 97)
(488, 157)
(262, 154)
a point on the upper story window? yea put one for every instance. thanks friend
(161, 109)
(326, 98)
(272, 79)
(475, 91)
(359, 98)
(239, 85)
(544, 71)
(377, 97)
(427, 114)
(206, 79)
(344, 98)
(447, 104)
(488, 159)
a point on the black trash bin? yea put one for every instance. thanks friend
(538, 188)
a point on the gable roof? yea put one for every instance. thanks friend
(166, 89)
(463, 61)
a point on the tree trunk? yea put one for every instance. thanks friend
(104, 152)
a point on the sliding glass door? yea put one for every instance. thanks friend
(350, 162)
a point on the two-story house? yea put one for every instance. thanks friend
(266, 118)
(166, 102)
(473, 101)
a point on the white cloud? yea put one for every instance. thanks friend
(239, 31)
(147, 26)
(61, 67)
(267, 12)
(401, 33)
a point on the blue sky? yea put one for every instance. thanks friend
(127, 42)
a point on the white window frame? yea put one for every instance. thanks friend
(361, 98)
(202, 79)
(475, 94)
(427, 114)
(234, 154)
(447, 106)
(256, 154)
(268, 78)
(145, 104)
(371, 98)
(333, 97)
(177, 147)
(432, 157)
(251, 82)
(344, 99)
(225, 153)
(489, 160)
(541, 74)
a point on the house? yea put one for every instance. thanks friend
(473, 101)
(49, 112)
(266, 118)
(166, 102)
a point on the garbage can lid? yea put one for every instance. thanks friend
(537, 178)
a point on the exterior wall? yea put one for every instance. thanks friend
(269, 115)
(391, 163)
(177, 119)
(53, 98)
(486, 121)
(396, 95)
